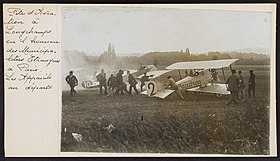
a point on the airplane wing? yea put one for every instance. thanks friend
(209, 64)
(155, 74)
(90, 84)
(212, 88)
(156, 89)
(160, 94)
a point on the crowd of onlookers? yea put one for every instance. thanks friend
(116, 86)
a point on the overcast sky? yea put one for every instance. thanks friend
(142, 30)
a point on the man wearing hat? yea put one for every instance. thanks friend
(241, 86)
(72, 81)
(251, 83)
(121, 86)
(132, 83)
(232, 82)
(101, 78)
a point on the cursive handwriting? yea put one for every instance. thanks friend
(37, 87)
(28, 78)
(31, 47)
(42, 11)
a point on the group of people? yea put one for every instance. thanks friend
(116, 85)
(236, 86)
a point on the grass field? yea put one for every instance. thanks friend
(201, 124)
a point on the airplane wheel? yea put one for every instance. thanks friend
(219, 95)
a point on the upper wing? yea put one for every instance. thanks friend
(202, 64)
(212, 88)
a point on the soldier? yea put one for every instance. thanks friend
(121, 86)
(72, 81)
(101, 78)
(174, 86)
(232, 82)
(112, 84)
(251, 83)
(132, 83)
(143, 79)
(241, 86)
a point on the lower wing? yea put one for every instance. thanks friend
(160, 94)
(212, 88)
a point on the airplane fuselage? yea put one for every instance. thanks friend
(201, 79)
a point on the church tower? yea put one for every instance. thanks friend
(188, 52)
(113, 54)
(109, 48)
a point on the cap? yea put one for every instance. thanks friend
(233, 71)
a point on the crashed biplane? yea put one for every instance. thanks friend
(93, 83)
(201, 76)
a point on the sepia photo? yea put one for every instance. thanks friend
(165, 80)
(158, 80)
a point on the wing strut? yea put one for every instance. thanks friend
(224, 76)
(230, 68)
(180, 73)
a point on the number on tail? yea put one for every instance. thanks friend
(87, 84)
(151, 86)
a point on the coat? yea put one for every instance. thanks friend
(232, 82)
(72, 80)
(251, 81)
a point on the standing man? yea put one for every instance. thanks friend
(232, 82)
(132, 83)
(112, 84)
(174, 86)
(121, 86)
(251, 83)
(72, 81)
(241, 86)
(101, 78)
(143, 79)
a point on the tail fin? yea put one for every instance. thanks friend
(156, 89)
(151, 88)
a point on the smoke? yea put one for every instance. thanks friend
(84, 68)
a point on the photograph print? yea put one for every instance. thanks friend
(140, 79)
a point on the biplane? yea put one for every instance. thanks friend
(201, 76)
(93, 83)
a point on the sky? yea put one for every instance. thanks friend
(143, 30)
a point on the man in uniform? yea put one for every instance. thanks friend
(174, 86)
(132, 83)
(232, 82)
(72, 81)
(241, 86)
(143, 79)
(112, 84)
(101, 78)
(121, 86)
(251, 83)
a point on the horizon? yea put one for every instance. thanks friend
(205, 53)
(142, 30)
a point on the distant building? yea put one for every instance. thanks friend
(188, 52)
(108, 56)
